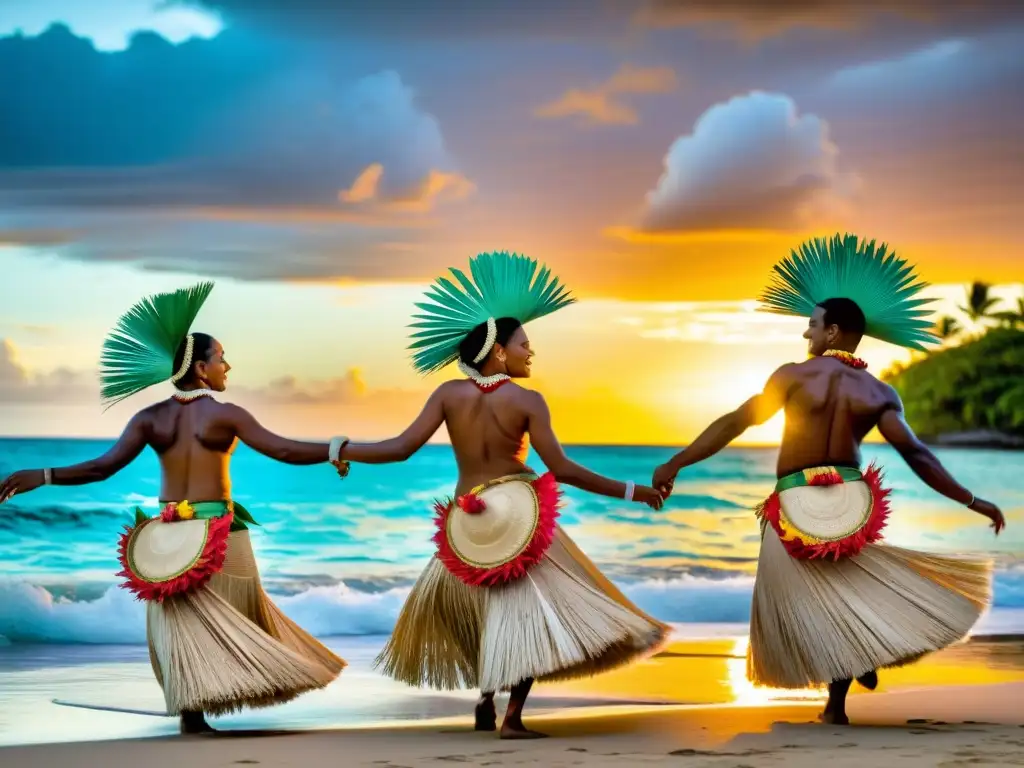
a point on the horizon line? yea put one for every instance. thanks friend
(681, 444)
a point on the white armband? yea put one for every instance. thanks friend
(334, 452)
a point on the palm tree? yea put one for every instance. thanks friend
(947, 327)
(1012, 318)
(979, 303)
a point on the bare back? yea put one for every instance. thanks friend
(194, 442)
(487, 431)
(830, 408)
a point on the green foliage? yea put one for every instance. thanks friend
(139, 352)
(976, 385)
(1013, 318)
(947, 327)
(503, 285)
(883, 286)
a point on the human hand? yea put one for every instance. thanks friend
(991, 511)
(664, 479)
(21, 482)
(648, 496)
(342, 467)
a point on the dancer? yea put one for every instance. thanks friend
(216, 641)
(830, 603)
(508, 598)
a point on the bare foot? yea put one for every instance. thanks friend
(831, 718)
(869, 681)
(519, 731)
(486, 716)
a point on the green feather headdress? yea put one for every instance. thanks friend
(882, 285)
(140, 351)
(503, 285)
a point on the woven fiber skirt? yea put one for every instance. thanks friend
(816, 621)
(562, 620)
(226, 646)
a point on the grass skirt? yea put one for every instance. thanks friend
(226, 646)
(562, 620)
(816, 621)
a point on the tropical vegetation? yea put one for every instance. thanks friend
(973, 380)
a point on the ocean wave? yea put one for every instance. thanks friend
(23, 520)
(31, 614)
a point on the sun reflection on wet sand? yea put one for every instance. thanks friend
(690, 671)
(746, 694)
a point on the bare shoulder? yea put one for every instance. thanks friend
(450, 390)
(530, 400)
(229, 411)
(450, 387)
(888, 393)
(788, 371)
(785, 376)
(152, 413)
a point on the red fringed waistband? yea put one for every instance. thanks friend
(804, 546)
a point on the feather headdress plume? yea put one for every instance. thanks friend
(139, 351)
(882, 285)
(503, 285)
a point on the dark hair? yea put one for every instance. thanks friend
(846, 314)
(474, 341)
(202, 346)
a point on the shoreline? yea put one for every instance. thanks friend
(690, 675)
(928, 726)
(974, 439)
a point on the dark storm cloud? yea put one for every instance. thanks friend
(227, 122)
(447, 19)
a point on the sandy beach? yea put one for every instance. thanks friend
(952, 726)
(957, 707)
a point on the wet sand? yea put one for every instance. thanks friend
(955, 726)
(691, 703)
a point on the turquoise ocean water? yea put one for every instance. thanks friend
(339, 556)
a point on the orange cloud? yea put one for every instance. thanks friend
(598, 104)
(434, 188)
(759, 236)
(30, 237)
(752, 19)
(364, 187)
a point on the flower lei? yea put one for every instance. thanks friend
(191, 395)
(846, 358)
(484, 383)
(177, 510)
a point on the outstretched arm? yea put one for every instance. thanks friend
(127, 448)
(259, 438)
(406, 444)
(725, 429)
(565, 470)
(894, 428)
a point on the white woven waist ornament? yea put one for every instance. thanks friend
(827, 512)
(161, 551)
(499, 533)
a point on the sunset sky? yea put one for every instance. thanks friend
(323, 164)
